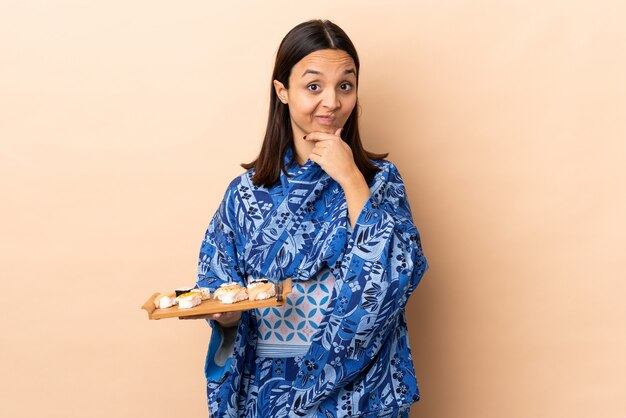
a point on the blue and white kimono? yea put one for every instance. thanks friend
(355, 360)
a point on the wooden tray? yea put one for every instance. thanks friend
(213, 306)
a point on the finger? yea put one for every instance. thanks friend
(320, 149)
(315, 158)
(338, 132)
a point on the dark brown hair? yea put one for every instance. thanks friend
(302, 40)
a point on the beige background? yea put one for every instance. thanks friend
(122, 122)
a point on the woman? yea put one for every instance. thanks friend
(316, 207)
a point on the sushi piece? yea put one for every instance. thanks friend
(165, 301)
(183, 290)
(189, 300)
(261, 289)
(253, 282)
(205, 292)
(231, 293)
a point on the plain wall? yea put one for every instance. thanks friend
(122, 123)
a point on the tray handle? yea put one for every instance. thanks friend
(149, 305)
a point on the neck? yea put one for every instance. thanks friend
(302, 148)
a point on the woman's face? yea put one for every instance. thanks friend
(322, 92)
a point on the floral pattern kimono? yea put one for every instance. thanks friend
(358, 362)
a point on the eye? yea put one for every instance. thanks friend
(346, 86)
(313, 87)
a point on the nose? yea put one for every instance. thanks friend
(330, 99)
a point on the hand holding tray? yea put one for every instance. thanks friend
(211, 306)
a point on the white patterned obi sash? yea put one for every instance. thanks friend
(287, 331)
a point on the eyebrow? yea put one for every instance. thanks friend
(348, 71)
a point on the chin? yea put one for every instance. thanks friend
(325, 128)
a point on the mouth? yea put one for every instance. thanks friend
(325, 119)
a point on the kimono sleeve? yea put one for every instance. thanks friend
(382, 265)
(219, 253)
(220, 262)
